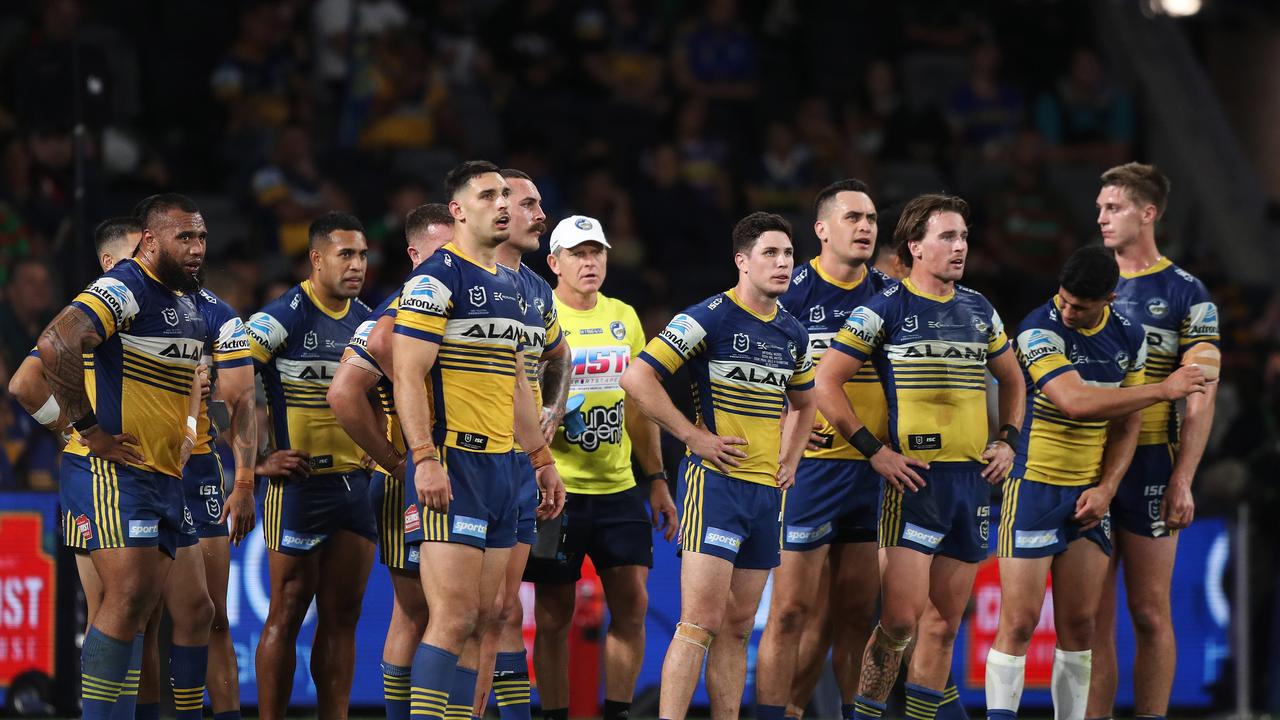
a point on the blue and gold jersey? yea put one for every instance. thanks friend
(541, 325)
(227, 347)
(1056, 449)
(742, 365)
(296, 345)
(822, 304)
(1176, 312)
(359, 346)
(142, 371)
(474, 313)
(931, 353)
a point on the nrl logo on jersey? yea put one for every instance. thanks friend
(170, 316)
(310, 341)
(817, 314)
(911, 324)
(476, 295)
(741, 342)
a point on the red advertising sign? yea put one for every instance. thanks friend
(985, 620)
(26, 597)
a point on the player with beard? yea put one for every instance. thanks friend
(503, 662)
(932, 342)
(317, 524)
(748, 358)
(460, 327)
(376, 429)
(147, 337)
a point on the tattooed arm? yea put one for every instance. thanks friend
(235, 386)
(556, 369)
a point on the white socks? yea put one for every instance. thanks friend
(1005, 675)
(1070, 686)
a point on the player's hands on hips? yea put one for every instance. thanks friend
(786, 476)
(431, 482)
(550, 492)
(663, 509)
(720, 451)
(817, 441)
(896, 469)
(999, 458)
(287, 464)
(1186, 380)
(238, 512)
(1178, 508)
(205, 383)
(1092, 506)
(119, 449)
(549, 421)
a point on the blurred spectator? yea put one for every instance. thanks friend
(43, 75)
(409, 97)
(343, 31)
(715, 57)
(817, 130)
(985, 112)
(782, 180)
(1087, 118)
(17, 238)
(882, 127)
(291, 191)
(703, 157)
(29, 305)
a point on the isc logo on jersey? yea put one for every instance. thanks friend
(684, 333)
(425, 294)
(117, 296)
(1037, 343)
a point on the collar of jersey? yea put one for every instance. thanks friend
(1156, 267)
(910, 286)
(564, 309)
(152, 275)
(1106, 315)
(306, 288)
(766, 318)
(817, 267)
(491, 269)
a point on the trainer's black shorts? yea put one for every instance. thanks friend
(613, 530)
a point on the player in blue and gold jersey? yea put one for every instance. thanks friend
(748, 358)
(835, 502)
(319, 527)
(146, 336)
(1084, 365)
(546, 364)
(376, 429)
(1154, 499)
(932, 342)
(460, 327)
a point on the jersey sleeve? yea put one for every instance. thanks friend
(997, 340)
(1136, 373)
(111, 300)
(267, 334)
(863, 331)
(550, 318)
(426, 301)
(683, 339)
(1043, 353)
(802, 376)
(357, 351)
(230, 341)
(1200, 323)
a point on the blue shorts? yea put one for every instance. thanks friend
(833, 501)
(300, 515)
(483, 512)
(386, 497)
(950, 515)
(612, 529)
(733, 519)
(202, 482)
(1136, 506)
(1036, 520)
(527, 498)
(105, 505)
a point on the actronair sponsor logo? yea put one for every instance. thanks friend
(472, 527)
(1031, 539)
(801, 534)
(722, 538)
(921, 536)
(144, 528)
(299, 541)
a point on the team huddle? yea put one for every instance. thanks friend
(478, 427)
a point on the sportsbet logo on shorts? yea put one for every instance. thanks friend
(475, 527)
(722, 538)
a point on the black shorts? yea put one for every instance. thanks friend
(612, 529)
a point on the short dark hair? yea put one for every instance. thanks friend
(750, 228)
(828, 193)
(150, 207)
(460, 175)
(914, 220)
(1144, 183)
(114, 230)
(423, 216)
(514, 174)
(331, 222)
(1091, 273)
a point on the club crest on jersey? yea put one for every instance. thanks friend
(310, 341)
(911, 324)
(741, 342)
(542, 307)
(170, 316)
(1157, 307)
(980, 325)
(1122, 359)
(791, 348)
(618, 329)
(476, 296)
(817, 314)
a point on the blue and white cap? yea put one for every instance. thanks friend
(575, 230)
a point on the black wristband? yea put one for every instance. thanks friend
(86, 423)
(660, 475)
(865, 442)
(1011, 436)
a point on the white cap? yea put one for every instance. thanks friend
(575, 230)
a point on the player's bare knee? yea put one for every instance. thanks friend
(897, 624)
(790, 615)
(890, 639)
(1075, 633)
(693, 634)
(1150, 618)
